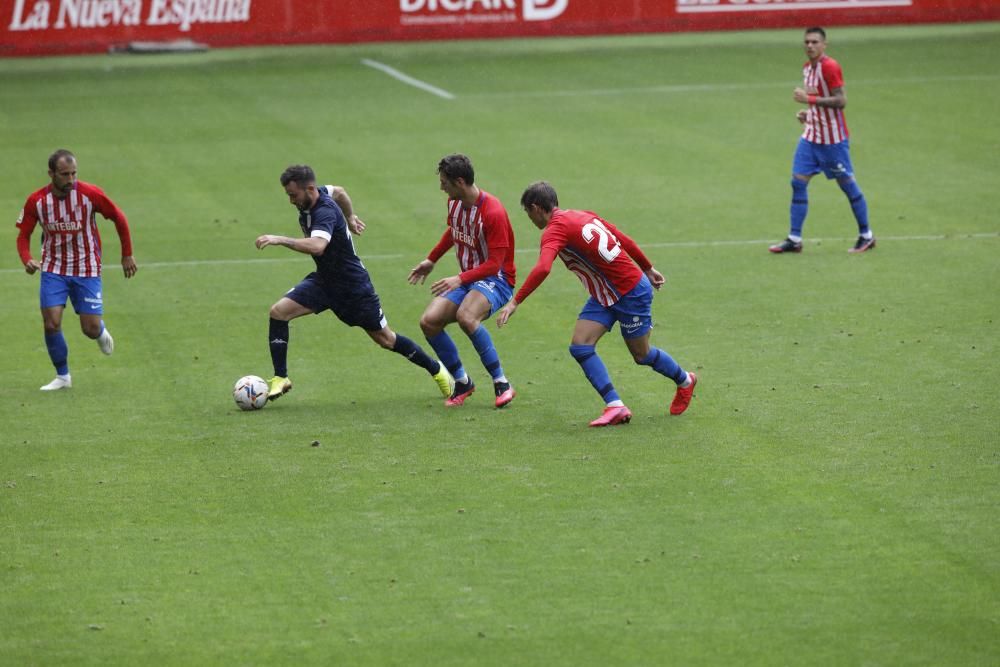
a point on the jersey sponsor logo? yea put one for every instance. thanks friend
(463, 237)
(75, 14)
(636, 323)
(431, 12)
(486, 285)
(63, 226)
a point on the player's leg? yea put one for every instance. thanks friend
(441, 312)
(57, 348)
(485, 298)
(661, 362)
(859, 205)
(634, 313)
(593, 322)
(837, 165)
(799, 207)
(53, 292)
(86, 295)
(406, 347)
(804, 167)
(866, 240)
(282, 312)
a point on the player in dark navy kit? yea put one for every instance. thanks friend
(340, 282)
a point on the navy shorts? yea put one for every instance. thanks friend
(359, 307)
(834, 160)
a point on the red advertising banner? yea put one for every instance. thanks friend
(38, 27)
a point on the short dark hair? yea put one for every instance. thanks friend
(819, 31)
(59, 155)
(457, 166)
(541, 193)
(300, 174)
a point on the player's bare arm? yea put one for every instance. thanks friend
(504, 313)
(837, 99)
(129, 266)
(420, 272)
(313, 245)
(354, 223)
(445, 285)
(655, 277)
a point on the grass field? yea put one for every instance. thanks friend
(831, 497)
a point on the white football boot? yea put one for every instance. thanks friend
(61, 382)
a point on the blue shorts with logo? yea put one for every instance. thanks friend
(495, 289)
(633, 312)
(85, 293)
(834, 160)
(357, 307)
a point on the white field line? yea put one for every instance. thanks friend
(724, 87)
(109, 268)
(409, 80)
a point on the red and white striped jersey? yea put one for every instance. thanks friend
(483, 239)
(591, 248)
(71, 244)
(824, 125)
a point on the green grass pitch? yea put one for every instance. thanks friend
(831, 497)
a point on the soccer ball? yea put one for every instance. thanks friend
(250, 392)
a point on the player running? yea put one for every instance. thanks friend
(592, 248)
(340, 282)
(71, 257)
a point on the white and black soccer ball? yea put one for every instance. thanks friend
(250, 392)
